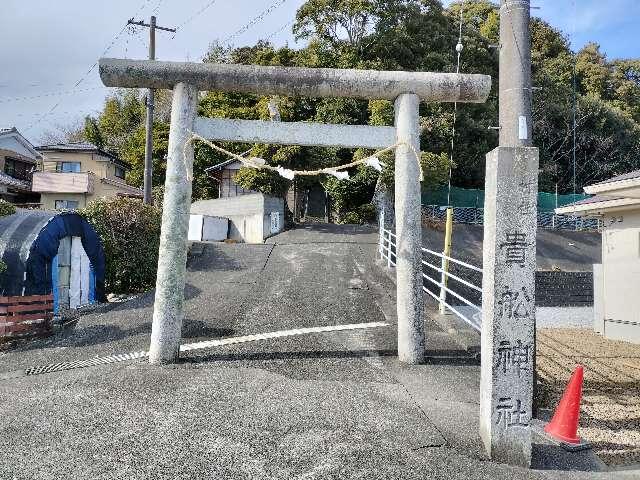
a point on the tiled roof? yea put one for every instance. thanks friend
(74, 146)
(12, 182)
(220, 165)
(619, 178)
(80, 147)
(122, 185)
(594, 199)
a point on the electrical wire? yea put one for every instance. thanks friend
(273, 34)
(91, 68)
(193, 17)
(156, 9)
(253, 21)
(48, 94)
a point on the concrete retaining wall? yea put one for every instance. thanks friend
(553, 289)
(251, 217)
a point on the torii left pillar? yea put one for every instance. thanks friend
(410, 297)
(168, 312)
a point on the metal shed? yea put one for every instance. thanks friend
(55, 253)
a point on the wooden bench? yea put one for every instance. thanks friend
(25, 316)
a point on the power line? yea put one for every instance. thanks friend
(273, 34)
(156, 9)
(95, 64)
(192, 17)
(48, 94)
(254, 20)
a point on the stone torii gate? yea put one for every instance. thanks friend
(407, 89)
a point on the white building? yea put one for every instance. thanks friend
(617, 281)
(18, 161)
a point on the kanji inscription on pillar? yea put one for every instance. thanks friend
(508, 302)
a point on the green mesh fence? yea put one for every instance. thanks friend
(463, 197)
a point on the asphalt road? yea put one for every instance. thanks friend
(326, 406)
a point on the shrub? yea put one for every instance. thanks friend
(6, 208)
(363, 214)
(3, 267)
(130, 234)
(368, 212)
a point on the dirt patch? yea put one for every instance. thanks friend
(610, 410)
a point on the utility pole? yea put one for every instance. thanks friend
(148, 146)
(515, 74)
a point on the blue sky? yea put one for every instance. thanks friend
(49, 46)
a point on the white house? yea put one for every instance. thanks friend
(18, 161)
(617, 281)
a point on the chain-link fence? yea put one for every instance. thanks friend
(475, 216)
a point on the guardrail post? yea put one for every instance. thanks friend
(168, 310)
(410, 299)
(445, 262)
(380, 233)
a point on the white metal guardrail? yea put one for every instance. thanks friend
(445, 288)
(386, 243)
(387, 251)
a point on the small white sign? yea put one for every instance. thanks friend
(275, 222)
(523, 133)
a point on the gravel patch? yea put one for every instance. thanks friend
(610, 410)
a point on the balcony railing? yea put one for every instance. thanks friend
(63, 182)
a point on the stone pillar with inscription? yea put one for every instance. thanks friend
(508, 304)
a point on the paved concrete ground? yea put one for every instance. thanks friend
(331, 405)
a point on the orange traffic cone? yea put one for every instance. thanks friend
(564, 424)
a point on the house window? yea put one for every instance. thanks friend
(17, 169)
(66, 204)
(119, 172)
(68, 167)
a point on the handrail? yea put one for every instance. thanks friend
(454, 310)
(454, 260)
(451, 275)
(457, 295)
(386, 252)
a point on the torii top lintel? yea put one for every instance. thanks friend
(296, 81)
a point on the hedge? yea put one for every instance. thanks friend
(130, 234)
(6, 208)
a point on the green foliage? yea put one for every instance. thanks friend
(381, 112)
(348, 195)
(92, 132)
(6, 208)
(363, 214)
(3, 267)
(414, 35)
(130, 235)
(265, 181)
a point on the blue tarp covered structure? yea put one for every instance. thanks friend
(29, 242)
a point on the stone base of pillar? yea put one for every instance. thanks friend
(508, 304)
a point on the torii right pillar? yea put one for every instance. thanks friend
(509, 254)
